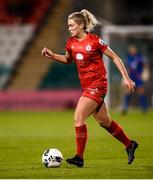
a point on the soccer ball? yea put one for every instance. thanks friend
(52, 158)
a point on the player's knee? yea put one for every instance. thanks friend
(104, 121)
(79, 120)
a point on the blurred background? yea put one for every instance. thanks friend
(28, 81)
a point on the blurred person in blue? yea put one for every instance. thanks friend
(138, 73)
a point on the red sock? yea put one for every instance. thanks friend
(118, 133)
(81, 138)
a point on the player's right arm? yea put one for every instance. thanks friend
(67, 58)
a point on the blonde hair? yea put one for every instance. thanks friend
(85, 17)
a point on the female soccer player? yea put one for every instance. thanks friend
(86, 49)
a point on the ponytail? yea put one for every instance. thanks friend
(90, 20)
(85, 17)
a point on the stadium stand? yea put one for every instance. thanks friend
(25, 11)
(19, 21)
(33, 67)
(12, 42)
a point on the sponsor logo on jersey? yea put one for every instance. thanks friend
(79, 56)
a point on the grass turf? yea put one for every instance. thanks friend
(25, 135)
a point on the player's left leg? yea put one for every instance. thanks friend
(103, 118)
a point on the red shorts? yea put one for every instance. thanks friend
(95, 94)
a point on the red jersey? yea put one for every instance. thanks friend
(87, 55)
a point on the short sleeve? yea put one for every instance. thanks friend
(68, 49)
(102, 46)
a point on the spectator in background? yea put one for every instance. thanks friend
(138, 73)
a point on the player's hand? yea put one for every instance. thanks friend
(47, 53)
(129, 84)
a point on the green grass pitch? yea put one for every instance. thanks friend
(25, 135)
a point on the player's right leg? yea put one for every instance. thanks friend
(84, 108)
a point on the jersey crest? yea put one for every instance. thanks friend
(88, 48)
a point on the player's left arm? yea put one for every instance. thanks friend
(118, 62)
